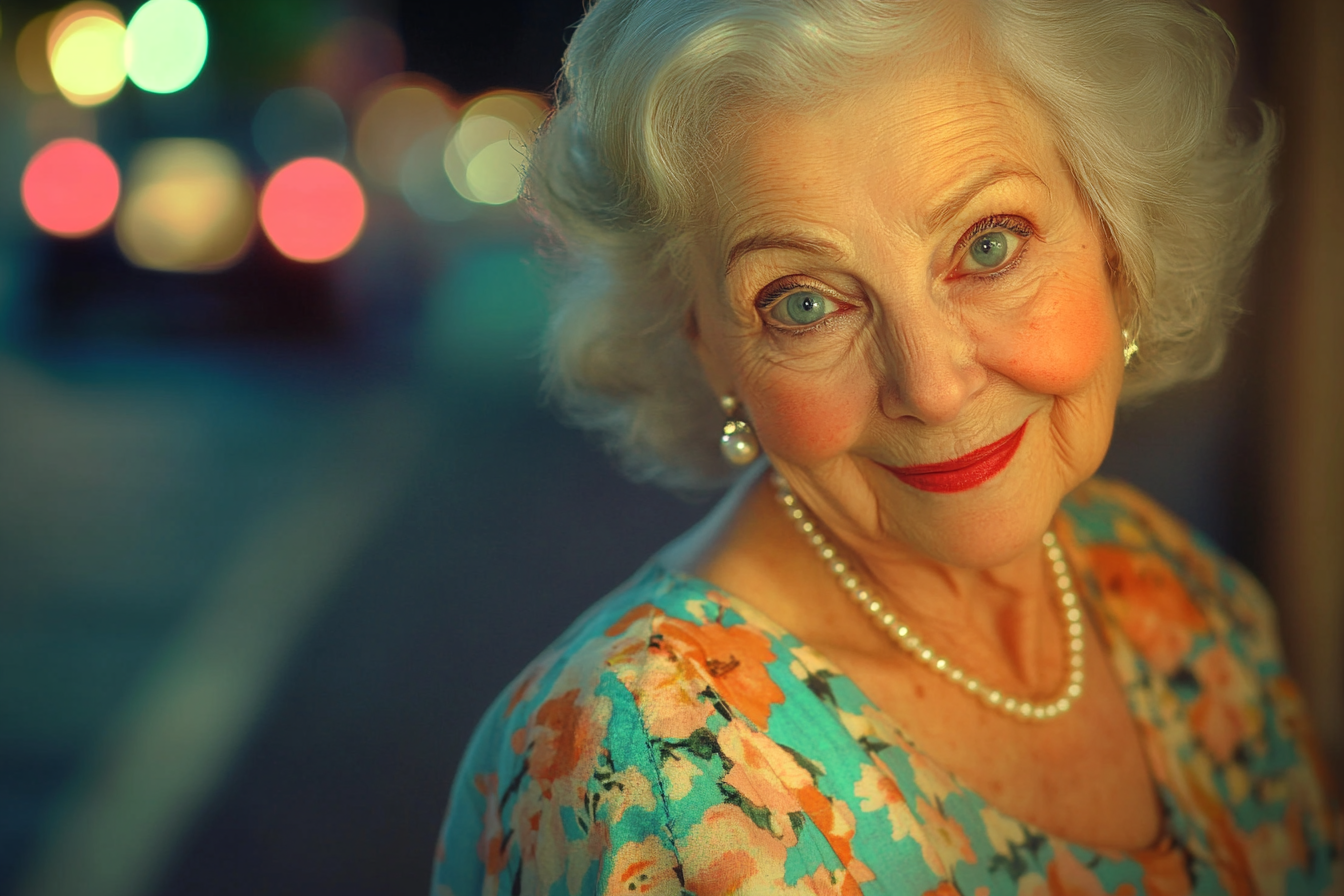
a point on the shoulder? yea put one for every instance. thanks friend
(1142, 559)
(539, 773)
(1190, 613)
(1196, 637)
(607, 753)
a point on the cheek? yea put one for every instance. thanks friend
(809, 421)
(1064, 343)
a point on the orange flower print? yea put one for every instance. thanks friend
(771, 777)
(764, 773)
(1275, 849)
(668, 694)
(835, 820)
(878, 790)
(562, 733)
(824, 882)
(1069, 877)
(943, 889)
(945, 835)
(644, 868)
(1164, 871)
(1148, 521)
(930, 777)
(1151, 605)
(679, 774)
(726, 852)
(734, 659)
(1225, 840)
(1226, 712)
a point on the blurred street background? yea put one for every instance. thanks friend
(281, 507)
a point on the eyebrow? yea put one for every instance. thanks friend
(958, 199)
(795, 241)
(939, 216)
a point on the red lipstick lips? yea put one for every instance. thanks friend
(965, 472)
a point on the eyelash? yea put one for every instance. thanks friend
(778, 291)
(1011, 223)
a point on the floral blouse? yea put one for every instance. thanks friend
(675, 740)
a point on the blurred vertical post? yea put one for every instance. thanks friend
(1305, 315)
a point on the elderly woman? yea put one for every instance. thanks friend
(908, 251)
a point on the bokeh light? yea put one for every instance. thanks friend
(425, 185)
(30, 55)
(485, 317)
(70, 187)
(166, 45)
(312, 210)
(350, 55)
(85, 49)
(394, 114)
(71, 13)
(297, 122)
(485, 157)
(189, 206)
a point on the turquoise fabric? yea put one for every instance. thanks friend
(675, 740)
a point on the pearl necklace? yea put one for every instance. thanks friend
(911, 643)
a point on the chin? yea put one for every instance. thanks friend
(990, 525)
(983, 538)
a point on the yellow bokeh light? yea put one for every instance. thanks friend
(494, 174)
(396, 112)
(188, 206)
(30, 55)
(485, 157)
(85, 50)
(67, 15)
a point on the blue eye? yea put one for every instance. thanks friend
(989, 250)
(994, 244)
(802, 308)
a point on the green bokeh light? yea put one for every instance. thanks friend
(166, 45)
(485, 317)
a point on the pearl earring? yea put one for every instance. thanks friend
(738, 443)
(1131, 346)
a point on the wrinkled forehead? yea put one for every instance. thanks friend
(910, 135)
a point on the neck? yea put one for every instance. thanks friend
(1002, 622)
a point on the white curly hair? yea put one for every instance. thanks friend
(1137, 93)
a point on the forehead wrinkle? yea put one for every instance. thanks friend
(963, 194)
(793, 240)
(964, 148)
(771, 218)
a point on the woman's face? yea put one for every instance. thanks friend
(916, 311)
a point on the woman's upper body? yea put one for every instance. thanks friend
(677, 739)
(907, 246)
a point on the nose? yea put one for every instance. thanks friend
(931, 369)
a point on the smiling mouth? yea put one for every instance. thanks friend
(965, 472)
